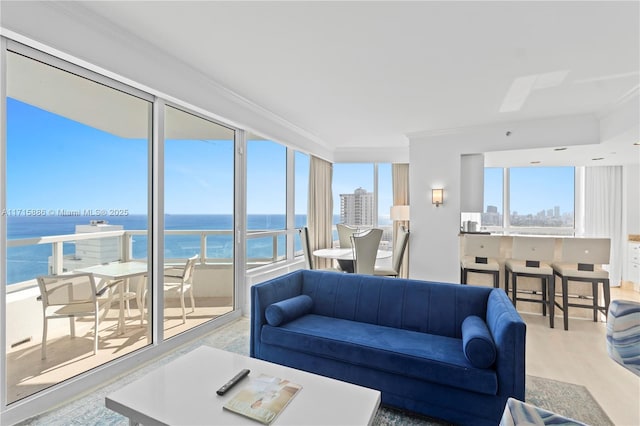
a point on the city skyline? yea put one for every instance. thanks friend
(529, 187)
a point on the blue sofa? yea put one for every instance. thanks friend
(448, 351)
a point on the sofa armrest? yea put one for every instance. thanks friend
(266, 293)
(509, 334)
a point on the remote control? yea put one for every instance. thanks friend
(231, 383)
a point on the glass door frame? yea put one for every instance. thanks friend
(58, 393)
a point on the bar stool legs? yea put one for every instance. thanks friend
(548, 291)
(595, 306)
(495, 274)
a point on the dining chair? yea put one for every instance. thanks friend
(399, 247)
(365, 248)
(180, 280)
(480, 253)
(306, 248)
(69, 296)
(532, 257)
(581, 261)
(344, 234)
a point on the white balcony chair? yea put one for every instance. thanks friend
(399, 247)
(581, 261)
(69, 296)
(365, 250)
(180, 280)
(114, 296)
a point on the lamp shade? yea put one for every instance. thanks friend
(437, 196)
(399, 213)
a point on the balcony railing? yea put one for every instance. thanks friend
(214, 247)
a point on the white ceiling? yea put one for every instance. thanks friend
(366, 74)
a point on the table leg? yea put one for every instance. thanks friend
(121, 314)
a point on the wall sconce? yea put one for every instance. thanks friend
(437, 196)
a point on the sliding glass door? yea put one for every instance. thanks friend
(76, 181)
(198, 282)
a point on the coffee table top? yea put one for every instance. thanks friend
(183, 392)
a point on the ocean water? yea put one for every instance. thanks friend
(27, 262)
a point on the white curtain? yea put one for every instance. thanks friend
(603, 212)
(400, 182)
(320, 208)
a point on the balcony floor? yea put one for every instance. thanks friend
(67, 357)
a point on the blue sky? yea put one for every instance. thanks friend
(532, 189)
(54, 163)
(59, 164)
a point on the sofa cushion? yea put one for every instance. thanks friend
(418, 355)
(477, 343)
(287, 310)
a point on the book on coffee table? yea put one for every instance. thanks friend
(263, 398)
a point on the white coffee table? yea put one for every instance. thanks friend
(183, 392)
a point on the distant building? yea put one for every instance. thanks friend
(492, 209)
(357, 209)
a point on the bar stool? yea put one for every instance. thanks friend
(532, 257)
(480, 253)
(581, 261)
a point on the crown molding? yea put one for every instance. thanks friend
(372, 155)
(498, 126)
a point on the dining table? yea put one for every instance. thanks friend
(344, 256)
(118, 274)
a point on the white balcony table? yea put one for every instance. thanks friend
(118, 273)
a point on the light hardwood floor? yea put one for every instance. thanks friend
(579, 356)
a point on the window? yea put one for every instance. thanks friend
(539, 200)
(301, 182)
(363, 196)
(385, 195)
(541, 197)
(266, 201)
(353, 194)
(199, 202)
(76, 170)
(301, 195)
(493, 185)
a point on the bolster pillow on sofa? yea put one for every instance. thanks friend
(477, 343)
(289, 309)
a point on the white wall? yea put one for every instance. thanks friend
(435, 162)
(631, 198)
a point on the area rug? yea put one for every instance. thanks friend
(567, 399)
